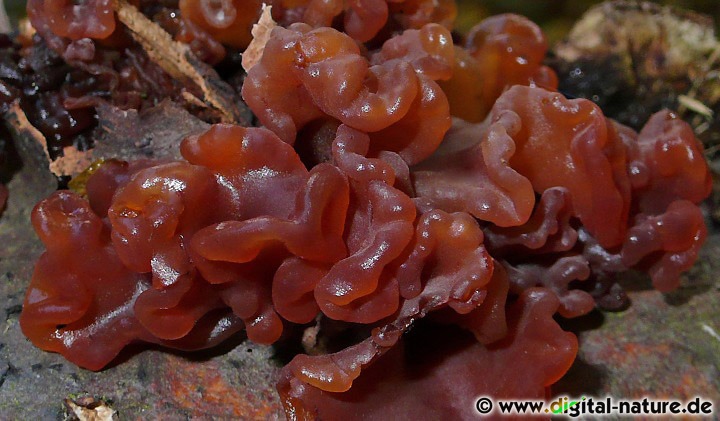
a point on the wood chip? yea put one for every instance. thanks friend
(72, 162)
(89, 409)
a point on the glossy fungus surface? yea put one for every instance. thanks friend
(438, 203)
(310, 74)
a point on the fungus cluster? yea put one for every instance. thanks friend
(411, 189)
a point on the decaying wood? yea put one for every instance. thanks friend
(634, 58)
(153, 133)
(180, 63)
(33, 145)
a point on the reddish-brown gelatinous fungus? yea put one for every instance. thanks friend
(363, 201)
(500, 52)
(66, 18)
(227, 21)
(363, 20)
(456, 369)
(307, 74)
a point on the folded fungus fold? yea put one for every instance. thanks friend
(441, 201)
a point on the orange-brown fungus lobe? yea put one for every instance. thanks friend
(361, 19)
(623, 188)
(227, 21)
(500, 52)
(162, 278)
(74, 20)
(414, 14)
(470, 173)
(280, 242)
(561, 143)
(389, 384)
(364, 20)
(307, 74)
(667, 164)
(364, 202)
